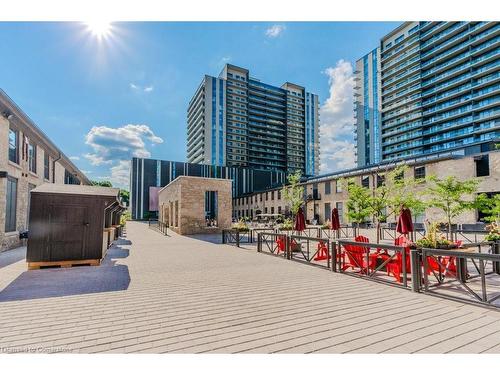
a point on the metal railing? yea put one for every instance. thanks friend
(273, 243)
(158, 225)
(308, 232)
(463, 275)
(468, 274)
(313, 250)
(255, 231)
(343, 232)
(389, 264)
(234, 236)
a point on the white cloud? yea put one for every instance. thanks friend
(116, 146)
(139, 88)
(337, 120)
(110, 144)
(275, 31)
(74, 158)
(120, 173)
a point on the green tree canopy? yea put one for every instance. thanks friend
(124, 196)
(104, 183)
(452, 196)
(293, 193)
(490, 206)
(359, 202)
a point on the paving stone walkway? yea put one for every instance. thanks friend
(177, 294)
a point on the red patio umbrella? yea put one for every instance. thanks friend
(300, 221)
(405, 223)
(335, 221)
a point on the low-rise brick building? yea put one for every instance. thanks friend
(28, 158)
(323, 193)
(191, 205)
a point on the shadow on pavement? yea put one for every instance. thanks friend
(12, 256)
(58, 282)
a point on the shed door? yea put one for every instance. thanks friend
(68, 237)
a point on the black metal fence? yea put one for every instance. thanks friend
(312, 250)
(237, 237)
(158, 225)
(345, 231)
(273, 243)
(389, 264)
(469, 275)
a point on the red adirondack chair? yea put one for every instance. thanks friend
(447, 263)
(323, 253)
(395, 266)
(280, 245)
(356, 256)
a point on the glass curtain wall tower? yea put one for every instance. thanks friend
(366, 109)
(237, 120)
(439, 90)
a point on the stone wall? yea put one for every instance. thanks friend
(188, 195)
(463, 168)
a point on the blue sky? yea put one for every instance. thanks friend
(103, 100)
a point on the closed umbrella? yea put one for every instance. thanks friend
(405, 223)
(335, 221)
(300, 222)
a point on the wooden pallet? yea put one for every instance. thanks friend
(63, 263)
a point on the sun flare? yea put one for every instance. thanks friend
(100, 29)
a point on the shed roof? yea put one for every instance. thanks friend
(77, 190)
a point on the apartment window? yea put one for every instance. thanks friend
(482, 166)
(272, 210)
(32, 157)
(328, 187)
(419, 172)
(380, 180)
(267, 196)
(261, 197)
(211, 208)
(279, 209)
(338, 186)
(46, 165)
(265, 210)
(328, 209)
(272, 195)
(11, 205)
(246, 200)
(340, 209)
(279, 194)
(14, 146)
(365, 181)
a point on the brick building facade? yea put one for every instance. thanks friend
(28, 158)
(323, 193)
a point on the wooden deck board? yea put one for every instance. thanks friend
(184, 294)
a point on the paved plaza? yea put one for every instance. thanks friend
(175, 294)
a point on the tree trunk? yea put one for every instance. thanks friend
(450, 233)
(378, 231)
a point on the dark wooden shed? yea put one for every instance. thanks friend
(67, 224)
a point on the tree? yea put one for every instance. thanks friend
(490, 206)
(404, 192)
(359, 202)
(452, 196)
(124, 196)
(293, 193)
(101, 183)
(395, 192)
